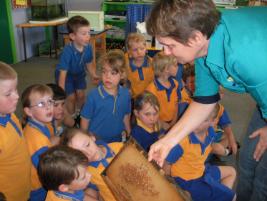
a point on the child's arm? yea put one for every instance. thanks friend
(127, 125)
(91, 67)
(91, 194)
(62, 78)
(231, 138)
(218, 149)
(84, 124)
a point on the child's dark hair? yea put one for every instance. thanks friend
(75, 22)
(179, 19)
(69, 133)
(2, 197)
(58, 92)
(115, 59)
(146, 97)
(59, 165)
(189, 70)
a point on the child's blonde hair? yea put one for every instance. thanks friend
(115, 59)
(135, 38)
(33, 89)
(7, 72)
(162, 61)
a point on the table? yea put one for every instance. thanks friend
(54, 24)
(97, 40)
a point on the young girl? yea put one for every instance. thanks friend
(61, 117)
(37, 105)
(99, 154)
(147, 129)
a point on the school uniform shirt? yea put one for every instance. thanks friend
(139, 77)
(62, 196)
(106, 113)
(15, 161)
(97, 167)
(237, 57)
(144, 135)
(167, 98)
(38, 140)
(189, 156)
(74, 61)
(222, 119)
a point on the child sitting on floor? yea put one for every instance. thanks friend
(99, 154)
(63, 172)
(148, 128)
(186, 164)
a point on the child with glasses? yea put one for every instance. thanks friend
(37, 105)
(15, 161)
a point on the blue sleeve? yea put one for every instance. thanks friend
(224, 119)
(36, 156)
(65, 59)
(175, 154)
(129, 104)
(87, 111)
(89, 54)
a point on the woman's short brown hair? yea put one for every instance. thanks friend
(179, 19)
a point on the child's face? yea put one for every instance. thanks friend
(137, 51)
(190, 83)
(183, 53)
(81, 36)
(82, 181)
(110, 78)
(85, 144)
(172, 69)
(41, 108)
(203, 127)
(58, 111)
(148, 115)
(8, 96)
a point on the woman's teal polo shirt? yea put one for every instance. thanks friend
(237, 57)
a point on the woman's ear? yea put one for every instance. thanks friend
(196, 39)
(27, 111)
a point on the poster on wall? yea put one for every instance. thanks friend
(20, 3)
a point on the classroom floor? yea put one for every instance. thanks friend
(41, 70)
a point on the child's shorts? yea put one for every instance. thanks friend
(208, 187)
(73, 82)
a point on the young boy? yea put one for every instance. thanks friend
(75, 60)
(186, 164)
(165, 87)
(37, 102)
(99, 154)
(63, 172)
(61, 117)
(139, 66)
(14, 156)
(106, 112)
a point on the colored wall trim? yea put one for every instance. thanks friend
(7, 38)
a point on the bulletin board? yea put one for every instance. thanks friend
(21, 3)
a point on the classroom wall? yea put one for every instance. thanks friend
(37, 35)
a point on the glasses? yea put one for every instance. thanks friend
(44, 104)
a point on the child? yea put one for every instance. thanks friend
(63, 172)
(76, 58)
(106, 112)
(37, 103)
(147, 129)
(186, 164)
(165, 87)
(61, 117)
(14, 156)
(139, 66)
(98, 153)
